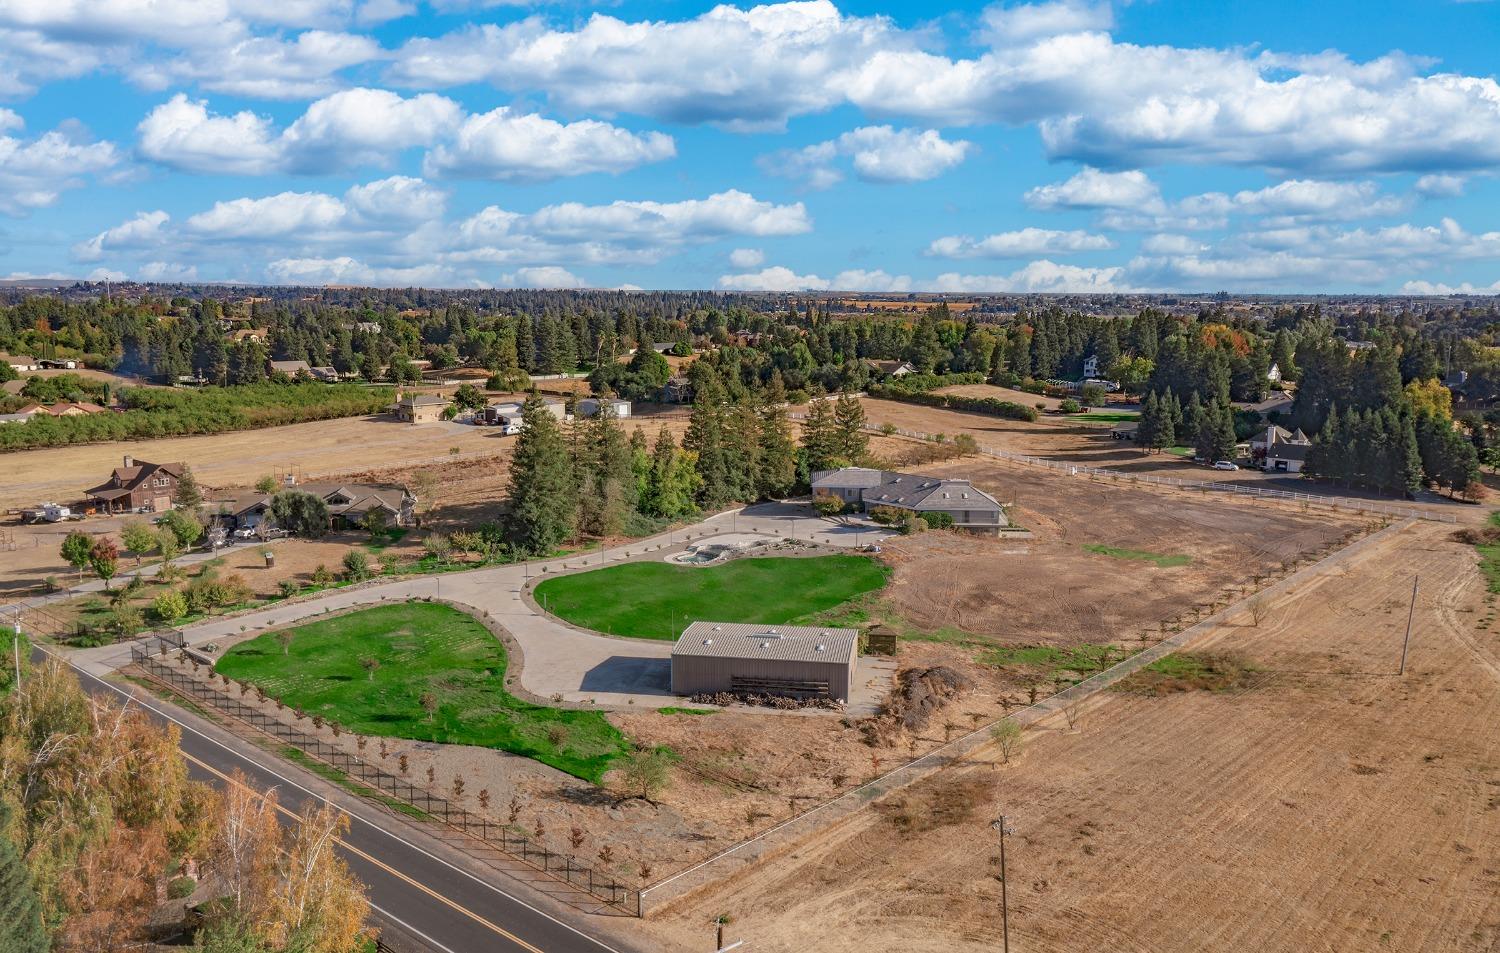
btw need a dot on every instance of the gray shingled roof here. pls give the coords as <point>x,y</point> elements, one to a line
<point>917,492</point>
<point>792,643</point>
<point>850,478</point>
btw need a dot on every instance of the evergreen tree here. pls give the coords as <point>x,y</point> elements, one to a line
<point>819,437</point>
<point>188,492</point>
<point>707,437</point>
<point>21,928</point>
<point>1282,355</point>
<point>849,428</point>
<point>543,492</point>
<point>777,472</point>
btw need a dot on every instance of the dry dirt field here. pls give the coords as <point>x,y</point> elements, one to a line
<point>1329,807</point>
<point>1051,589</point>
<point>1090,444</point>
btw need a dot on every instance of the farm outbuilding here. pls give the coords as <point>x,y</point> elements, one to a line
<point>799,661</point>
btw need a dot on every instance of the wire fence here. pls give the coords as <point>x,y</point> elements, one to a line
<point>382,786</point>
<point>1073,469</point>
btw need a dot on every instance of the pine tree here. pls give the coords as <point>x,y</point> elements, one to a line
<point>706,437</point>
<point>819,439</point>
<point>777,472</point>
<point>20,911</point>
<point>849,424</point>
<point>543,491</point>
<point>188,492</point>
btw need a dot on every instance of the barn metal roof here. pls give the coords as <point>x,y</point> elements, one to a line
<point>791,643</point>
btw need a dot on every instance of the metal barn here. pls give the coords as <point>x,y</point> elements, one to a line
<point>800,661</point>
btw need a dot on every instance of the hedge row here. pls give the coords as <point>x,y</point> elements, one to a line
<point>978,405</point>
<point>172,413</point>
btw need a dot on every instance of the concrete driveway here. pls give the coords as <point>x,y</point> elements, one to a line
<point>557,659</point>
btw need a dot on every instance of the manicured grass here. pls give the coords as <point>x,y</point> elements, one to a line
<point>1181,451</point>
<point>1107,416</point>
<point>1163,561</point>
<point>422,648</point>
<point>656,600</point>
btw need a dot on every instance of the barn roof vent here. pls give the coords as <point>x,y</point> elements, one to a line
<point>708,641</point>
<point>822,648</point>
<point>718,628</point>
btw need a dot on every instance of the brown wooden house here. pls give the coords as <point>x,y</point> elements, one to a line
<point>138,486</point>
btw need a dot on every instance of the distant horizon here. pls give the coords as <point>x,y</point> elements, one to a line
<point>1058,146</point>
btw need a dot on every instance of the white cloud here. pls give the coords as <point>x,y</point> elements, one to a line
<point>1093,189</point>
<point>1438,288</point>
<point>1009,25</point>
<point>745,69</point>
<point>1019,244</point>
<point>182,133</point>
<point>1300,200</point>
<point>167,271</point>
<point>35,172</point>
<point>286,213</point>
<point>1171,245</point>
<point>262,67</point>
<point>386,231</point>
<point>1441,186</point>
<point>345,270</point>
<point>545,276</point>
<point>10,120</point>
<point>370,127</point>
<point>877,280</point>
<point>142,231</point>
<point>372,12</point>
<point>877,153</point>
<point>1038,277</point>
<point>28,58</point>
<point>746,258</point>
<point>774,278</point>
<point>502,144</point>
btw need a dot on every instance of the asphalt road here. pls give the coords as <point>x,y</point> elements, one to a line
<point>444,907</point>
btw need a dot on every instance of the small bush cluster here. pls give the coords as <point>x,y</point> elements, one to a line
<point>782,702</point>
<point>210,591</point>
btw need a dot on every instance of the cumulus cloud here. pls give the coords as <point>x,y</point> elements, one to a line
<point>1440,186</point>
<point>774,278</point>
<point>1300,200</point>
<point>745,258</point>
<point>262,67</point>
<point>388,229</point>
<point>503,144</point>
<point>746,69</point>
<point>1007,25</point>
<point>1038,277</point>
<point>35,172</point>
<point>877,153</point>
<point>544,276</point>
<point>370,127</point>
<point>1019,244</point>
<point>1092,189</point>
<point>1439,288</point>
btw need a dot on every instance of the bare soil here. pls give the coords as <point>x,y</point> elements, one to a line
<point>1330,807</point>
<point>1051,589</point>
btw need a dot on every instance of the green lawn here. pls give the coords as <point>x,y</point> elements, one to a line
<point>1107,416</point>
<point>1181,451</point>
<point>1163,561</point>
<point>656,600</point>
<point>421,647</point>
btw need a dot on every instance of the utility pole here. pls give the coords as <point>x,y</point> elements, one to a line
<point>16,647</point>
<point>1004,897</point>
<point>1406,643</point>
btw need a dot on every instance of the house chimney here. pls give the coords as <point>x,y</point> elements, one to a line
<point>129,461</point>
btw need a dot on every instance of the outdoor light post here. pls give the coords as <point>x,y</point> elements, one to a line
<point>1411,611</point>
<point>1004,898</point>
<point>16,647</point>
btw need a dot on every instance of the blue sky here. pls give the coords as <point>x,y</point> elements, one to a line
<point>1056,146</point>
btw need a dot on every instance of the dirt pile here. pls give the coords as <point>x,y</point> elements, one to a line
<point>919,694</point>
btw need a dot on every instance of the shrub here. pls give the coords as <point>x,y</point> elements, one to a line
<point>170,606</point>
<point>1092,395</point>
<point>1070,406</point>
<point>938,520</point>
<point>210,591</point>
<point>438,546</point>
<point>827,504</point>
<point>912,524</point>
<point>322,576</point>
<point>887,515</point>
<point>356,566</point>
<point>180,888</point>
<point>965,444</point>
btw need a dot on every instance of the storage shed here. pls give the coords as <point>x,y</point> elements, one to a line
<point>800,661</point>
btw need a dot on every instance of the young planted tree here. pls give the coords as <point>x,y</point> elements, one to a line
<point>646,773</point>
<point>138,538</point>
<point>266,484</point>
<point>1007,737</point>
<point>104,557</point>
<point>77,549</point>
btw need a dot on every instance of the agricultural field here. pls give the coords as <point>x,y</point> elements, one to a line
<point>1187,820</point>
<point>652,599</point>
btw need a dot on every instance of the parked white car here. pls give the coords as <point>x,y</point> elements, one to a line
<point>1226,465</point>
<point>247,532</point>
